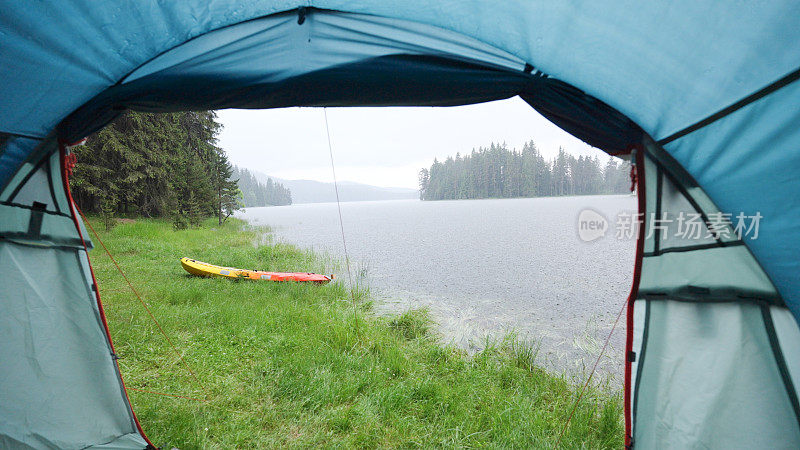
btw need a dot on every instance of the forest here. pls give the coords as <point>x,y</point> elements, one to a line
<point>497,172</point>
<point>156,165</point>
<point>256,193</point>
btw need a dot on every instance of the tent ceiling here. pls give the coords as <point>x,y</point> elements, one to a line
<point>665,65</point>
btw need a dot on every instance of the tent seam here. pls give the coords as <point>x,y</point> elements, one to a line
<point>665,154</point>
<point>640,365</point>
<point>730,109</point>
<point>791,392</point>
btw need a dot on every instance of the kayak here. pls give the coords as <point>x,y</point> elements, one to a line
<point>202,269</point>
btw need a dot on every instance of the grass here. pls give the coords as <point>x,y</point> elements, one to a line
<point>290,365</point>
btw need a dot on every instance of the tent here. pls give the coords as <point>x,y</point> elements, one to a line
<point>702,95</point>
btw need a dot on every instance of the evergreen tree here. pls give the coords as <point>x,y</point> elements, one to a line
<point>255,193</point>
<point>227,189</point>
<point>497,172</point>
<point>154,165</point>
<point>424,177</point>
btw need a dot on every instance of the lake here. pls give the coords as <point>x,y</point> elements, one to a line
<point>484,267</point>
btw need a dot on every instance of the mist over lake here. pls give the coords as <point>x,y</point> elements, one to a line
<point>483,267</point>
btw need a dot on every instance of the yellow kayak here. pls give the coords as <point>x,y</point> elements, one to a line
<point>202,269</point>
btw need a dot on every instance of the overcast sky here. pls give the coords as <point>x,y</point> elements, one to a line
<point>381,146</point>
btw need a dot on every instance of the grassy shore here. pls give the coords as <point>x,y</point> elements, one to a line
<point>291,365</point>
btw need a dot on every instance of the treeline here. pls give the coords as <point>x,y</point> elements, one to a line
<point>256,193</point>
<point>497,172</point>
<point>156,165</point>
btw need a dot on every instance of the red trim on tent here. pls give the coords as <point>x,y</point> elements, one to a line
<point>637,273</point>
<point>65,170</point>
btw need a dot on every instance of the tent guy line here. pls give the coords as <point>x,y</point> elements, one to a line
<point>591,373</point>
<point>143,303</point>
<point>341,222</point>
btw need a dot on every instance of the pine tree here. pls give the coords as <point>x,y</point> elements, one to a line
<point>227,190</point>
<point>192,210</point>
<point>500,172</point>
<point>108,204</point>
<point>424,177</point>
<point>254,193</point>
<point>153,165</point>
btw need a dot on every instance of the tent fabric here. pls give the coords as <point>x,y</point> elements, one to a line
<point>53,348</point>
<point>665,66</point>
<point>748,162</point>
<point>14,151</point>
<point>277,61</point>
<point>271,62</point>
<point>711,358</point>
<point>788,335</point>
<point>617,51</point>
<point>614,74</point>
<point>707,261</point>
<point>708,360</point>
<point>34,208</point>
<point>60,386</point>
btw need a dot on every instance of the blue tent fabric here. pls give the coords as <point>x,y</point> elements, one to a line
<point>665,66</point>
<point>250,65</point>
<point>611,73</point>
<point>748,162</point>
<point>15,150</point>
<point>708,54</point>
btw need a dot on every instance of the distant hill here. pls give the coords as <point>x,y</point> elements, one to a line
<point>310,191</point>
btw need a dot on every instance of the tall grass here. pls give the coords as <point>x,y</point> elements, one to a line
<point>284,365</point>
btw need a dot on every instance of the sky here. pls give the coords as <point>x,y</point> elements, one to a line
<point>381,146</point>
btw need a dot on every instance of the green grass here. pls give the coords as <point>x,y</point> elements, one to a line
<point>290,365</point>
